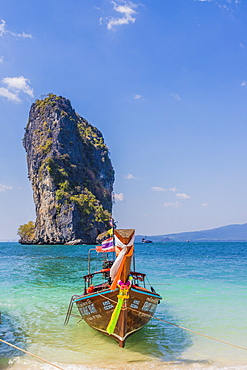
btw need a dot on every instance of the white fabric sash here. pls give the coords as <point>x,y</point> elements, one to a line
<point>119,244</point>
<point>117,263</point>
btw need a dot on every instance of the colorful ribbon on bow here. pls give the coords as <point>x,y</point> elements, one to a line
<point>123,294</point>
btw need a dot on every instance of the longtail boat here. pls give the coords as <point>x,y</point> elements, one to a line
<point>116,301</point>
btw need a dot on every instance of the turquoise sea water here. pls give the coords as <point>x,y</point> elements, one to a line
<point>203,286</point>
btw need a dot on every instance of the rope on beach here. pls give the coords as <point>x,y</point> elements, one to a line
<point>22,350</point>
<point>181,327</point>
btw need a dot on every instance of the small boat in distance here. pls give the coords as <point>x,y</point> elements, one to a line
<point>144,240</point>
<point>116,301</point>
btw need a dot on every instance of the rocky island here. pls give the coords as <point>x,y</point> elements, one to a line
<point>70,172</point>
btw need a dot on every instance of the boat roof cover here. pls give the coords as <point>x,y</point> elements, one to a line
<point>124,235</point>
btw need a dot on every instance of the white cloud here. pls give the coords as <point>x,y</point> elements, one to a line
<point>4,31</point>
<point>2,28</point>
<point>19,84</point>
<point>118,197</point>
<point>4,187</point>
<point>1,59</point>
<point>97,8</point>
<point>244,83</point>
<point>205,204</point>
<point>138,96</point>
<point>182,196</point>
<point>173,189</point>
<point>242,45</point>
<point>9,95</point>
<point>223,6</point>
<point>128,14</point>
<point>157,188</point>
<point>15,85</point>
<point>172,204</point>
<point>23,34</point>
<point>176,96</point>
<point>130,177</point>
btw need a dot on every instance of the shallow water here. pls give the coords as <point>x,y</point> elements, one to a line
<point>203,286</point>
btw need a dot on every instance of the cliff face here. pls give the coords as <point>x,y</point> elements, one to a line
<point>70,172</point>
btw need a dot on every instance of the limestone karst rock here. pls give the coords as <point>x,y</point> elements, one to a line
<point>70,172</point>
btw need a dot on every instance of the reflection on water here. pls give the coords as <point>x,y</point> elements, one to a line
<point>160,340</point>
<point>10,332</point>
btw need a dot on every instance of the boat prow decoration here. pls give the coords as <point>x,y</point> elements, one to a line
<point>120,304</point>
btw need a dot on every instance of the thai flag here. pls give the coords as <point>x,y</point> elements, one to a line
<point>108,243</point>
<point>111,222</point>
<point>106,246</point>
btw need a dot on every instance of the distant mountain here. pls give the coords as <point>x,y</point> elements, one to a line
<point>225,233</point>
<point>8,240</point>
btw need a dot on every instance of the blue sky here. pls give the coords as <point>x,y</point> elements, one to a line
<point>164,81</point>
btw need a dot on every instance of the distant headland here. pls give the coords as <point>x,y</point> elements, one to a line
<point>71,175</point>
<point>227,233</point>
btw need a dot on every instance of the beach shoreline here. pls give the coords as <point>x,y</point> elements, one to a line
<point>28,364</point>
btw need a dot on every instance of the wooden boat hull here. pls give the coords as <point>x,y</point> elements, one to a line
<point>97,307</point>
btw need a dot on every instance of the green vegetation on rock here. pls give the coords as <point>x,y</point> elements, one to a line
<point>27,232</point>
